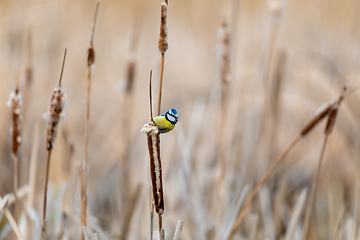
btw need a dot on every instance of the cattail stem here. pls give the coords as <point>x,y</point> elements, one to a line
<point>160,224</point>
<point>32,178</point>
<point>271,168</point>
<point>94,23</point>
<point>178,230</point>
<point>86,140</point>
<point>150,96</point>
<point>12,222</point>
<point>150,220</point>
<point>57,104</point>
<point>15,103</point>
<point>163,46</point>
<point>90,65</point>
<point>161,81</point>
<point>62,67</point>
<point>333,110</point>
<point>151,204</point>
<point>45,193</point>
<point>162,234</point>
<point>28,68</point>
<point>225,79</point>
<point>16,177</point>
<point>313,190</point>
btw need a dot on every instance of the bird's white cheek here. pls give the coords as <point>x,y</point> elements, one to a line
<point>171,118</point>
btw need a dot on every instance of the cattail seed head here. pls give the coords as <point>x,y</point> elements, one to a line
<point>91,56</point>
<point>153,139</point>
<point>163,41</point>
<point>225,53</point>
<point>28,75</point>
<point>130,73</point>
<point>320,114</point>
<point>55,115</point>
<point>331,119</point>
<point>15,104</point>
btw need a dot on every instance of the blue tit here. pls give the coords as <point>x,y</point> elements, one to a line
<point>166,122</point>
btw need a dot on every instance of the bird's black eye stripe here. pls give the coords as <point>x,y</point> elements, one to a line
<point>172,115</point>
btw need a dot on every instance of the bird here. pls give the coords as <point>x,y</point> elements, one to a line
<point>166,122</point>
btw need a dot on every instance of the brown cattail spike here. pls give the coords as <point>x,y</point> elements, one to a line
<point>225,53</point>
<point>130,73</point>
<point>57,104</point>
<point>28,68</point>
<point>91,56</point>
<point>15,104</point>
<point>163,41</point>
<point>331,119</point>
<point>55,115</point>
<point>319,115</point>
<point>153,138</point>
<point>91,52</point>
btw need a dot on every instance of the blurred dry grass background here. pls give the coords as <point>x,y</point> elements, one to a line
<point>321,42</point>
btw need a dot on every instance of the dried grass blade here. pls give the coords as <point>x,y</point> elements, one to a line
<point>178,230</point>
<point>13,224</point>
<point>296,215</point>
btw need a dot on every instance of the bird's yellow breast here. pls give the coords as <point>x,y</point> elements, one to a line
<point>163,124</point>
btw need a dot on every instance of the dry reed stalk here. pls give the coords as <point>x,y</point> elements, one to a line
<point>271,168</point>
<point>275,98</point>
<point>57,104</point>
<point>95,236</point>
<point>162,234</point>
<point>178,230</point>
<point>153,139</point>
<point>225,79</point>
<point>129,212</point>
<point>150,220</point>
<point>90,69</point>
<point>313,190</point>
<point>276,8</point>
<point>163,47</point>
<point>32,177</point>
<point>321,113</point>
<point>151,203</point>
<point>12,222</point>
<point>84,230</point>
<point>150,97</point>
<point>333,110</point>
<point>356,208</point>
<point>236,212</point>
<point>28,67</point>
<point>296,214</point>
<point>266,212</point>
<point>15,104</point>
<point>131,61</point>
<point>10,198</point>
<point>3,204</point>
<point>22,192</point>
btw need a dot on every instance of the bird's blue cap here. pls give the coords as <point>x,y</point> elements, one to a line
<point>173,112</point>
